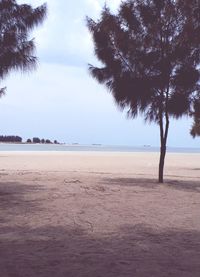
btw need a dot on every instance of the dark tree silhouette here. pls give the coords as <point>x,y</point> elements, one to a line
<point>16,22</point>
<point>148,62</point>
<point>36,140</point>
<point>191,9</point>
<point>10,139</point>
<point>195,131</point>
<point>43,141</point>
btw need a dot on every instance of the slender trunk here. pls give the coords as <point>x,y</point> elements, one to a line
<point>163,110</point>
<point>162,161</point>
<point>163,142</point>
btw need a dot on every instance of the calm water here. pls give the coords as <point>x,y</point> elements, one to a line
<point>65,147</point>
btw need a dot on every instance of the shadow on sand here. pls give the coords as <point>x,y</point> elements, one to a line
<point>136,251</point>
<point>13,199</point>
<point>63,251</point>
<point>190,186</point>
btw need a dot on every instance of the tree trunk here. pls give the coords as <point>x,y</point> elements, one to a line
<point>163,142</point>
<point>162,161</point>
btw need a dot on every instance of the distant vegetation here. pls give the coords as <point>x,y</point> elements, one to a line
<point>38,140</point>
<point>18,139</point>
<point>10,139</point>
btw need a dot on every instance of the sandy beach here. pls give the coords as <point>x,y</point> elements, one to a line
<point>99,214</point>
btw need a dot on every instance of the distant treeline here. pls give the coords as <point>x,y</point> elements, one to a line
<point>10,139</point>
<point>19,140</point>
<point>38,140</point>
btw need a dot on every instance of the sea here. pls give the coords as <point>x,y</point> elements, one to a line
<point>93,148</point>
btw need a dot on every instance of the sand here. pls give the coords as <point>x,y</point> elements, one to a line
<point>95,214</point>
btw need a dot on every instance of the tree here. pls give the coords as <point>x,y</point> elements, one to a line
<point>191,9</point>
<point>195,131</point>
<point>36,140</point>
<point>10,139</point>
<point>145,64</point>
<point>17,50</point>
<point>29,141</point>
<point>48,141</point>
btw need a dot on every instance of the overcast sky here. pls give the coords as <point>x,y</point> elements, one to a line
<point>61,101</point>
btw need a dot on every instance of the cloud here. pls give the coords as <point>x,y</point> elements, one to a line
<point>113,4</point>
<point>64,37</point>
<point>94,4</point>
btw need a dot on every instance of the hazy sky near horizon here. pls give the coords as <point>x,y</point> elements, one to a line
<point>61,101</point>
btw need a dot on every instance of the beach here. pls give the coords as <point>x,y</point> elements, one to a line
<point>99,214</point>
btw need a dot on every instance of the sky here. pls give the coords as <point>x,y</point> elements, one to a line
<point>60,100</point>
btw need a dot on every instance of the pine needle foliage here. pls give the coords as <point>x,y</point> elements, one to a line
<point>16,48</point>
<point>150,54</point>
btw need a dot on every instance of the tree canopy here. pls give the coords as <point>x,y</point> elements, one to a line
<point>16,48</point>
<point>10,139</point>
<point>195,131</point>
<point>150,56</point>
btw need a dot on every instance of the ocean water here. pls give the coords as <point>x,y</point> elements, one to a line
<point>99,148</point>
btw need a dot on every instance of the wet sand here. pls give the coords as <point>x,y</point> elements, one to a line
<point>98,214</point>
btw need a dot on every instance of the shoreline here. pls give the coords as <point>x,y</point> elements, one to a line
<point>90,148</point>
<point>182,165</point>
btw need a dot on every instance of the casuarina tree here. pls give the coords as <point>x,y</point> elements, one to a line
<point>195,131</point>
<point>16,48</point>
<point>191,9</point>
<point>148,62</point>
